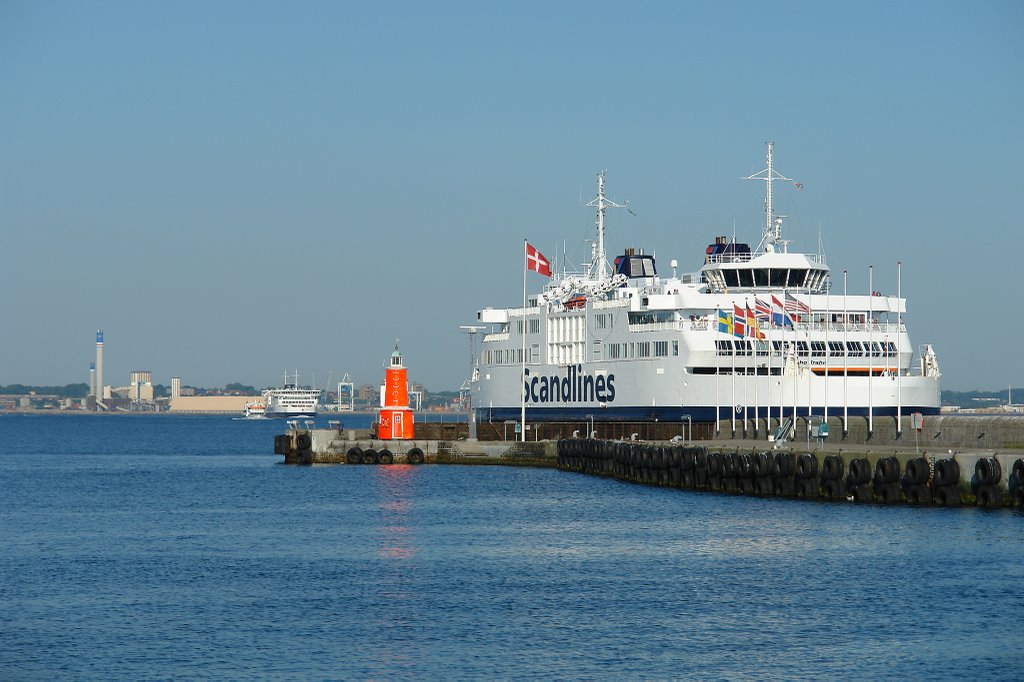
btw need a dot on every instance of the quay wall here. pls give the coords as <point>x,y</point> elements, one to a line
<point>861,475</point>
<point>858,473</point>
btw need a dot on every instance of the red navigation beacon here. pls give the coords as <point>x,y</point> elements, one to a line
<point>396,419</point>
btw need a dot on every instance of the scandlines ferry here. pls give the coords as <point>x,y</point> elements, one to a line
<point>756,333</point>
<point>291,400</point>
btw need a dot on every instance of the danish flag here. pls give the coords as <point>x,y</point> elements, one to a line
<point>536,261</point>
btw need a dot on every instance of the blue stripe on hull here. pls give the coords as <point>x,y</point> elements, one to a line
<point>668,414</point>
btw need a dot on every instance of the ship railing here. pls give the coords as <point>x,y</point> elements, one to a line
<point>674,325</point>
<point>729,258</point>
<point>613,303</point>
<point>747,257</point>
<point>839,327</point>
<point>498,336</point>
<point>705,323</point>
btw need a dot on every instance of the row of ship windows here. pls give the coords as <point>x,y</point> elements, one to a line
<point>534,326</point>
<point>781,278</point>
<point>817,349</point>
<point>642,349</point>
<point>728,348</point>
<point>507,356</point>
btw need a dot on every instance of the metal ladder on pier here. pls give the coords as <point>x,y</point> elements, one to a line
<point>784,432</point>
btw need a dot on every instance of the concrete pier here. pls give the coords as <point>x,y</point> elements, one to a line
<point>912,471</point>
<point>986,479</point>
<point>335,446</point>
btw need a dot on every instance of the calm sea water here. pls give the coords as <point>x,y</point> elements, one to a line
<point>159,547</point>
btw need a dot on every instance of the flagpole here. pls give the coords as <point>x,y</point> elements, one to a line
<point>807,335</point>
<point>718,373</point>
<point>846,363</point>
<point>899,332</point>
<point>732,393</point>
<point>796,360</point>
<point>746,372</point>
<point>828,350</point>
<point>782,361</point>
<point>756,425</point>
<point>522,376</point>
<point>768,400</point>
<point>871,349</point>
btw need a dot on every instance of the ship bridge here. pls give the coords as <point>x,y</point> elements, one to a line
<point>735,268</point>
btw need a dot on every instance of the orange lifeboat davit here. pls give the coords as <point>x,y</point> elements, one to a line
<point>396,418</point>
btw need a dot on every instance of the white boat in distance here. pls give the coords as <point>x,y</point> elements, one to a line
<point>291,400</point>
<point>753,334</point>
<point>254,410</point>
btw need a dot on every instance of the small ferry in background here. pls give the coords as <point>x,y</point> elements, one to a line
<point>291,400</point>
<point>254,410</point>
<point>755,333</point>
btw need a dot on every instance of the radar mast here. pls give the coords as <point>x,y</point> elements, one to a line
<point>599,270</point>
<point>772,233</point>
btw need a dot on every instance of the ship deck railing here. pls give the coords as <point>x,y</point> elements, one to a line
<point>674,325</point>
<point>747,257</point>
<point>833,328</point>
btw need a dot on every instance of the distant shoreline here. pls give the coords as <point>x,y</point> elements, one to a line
<point>211,413</point>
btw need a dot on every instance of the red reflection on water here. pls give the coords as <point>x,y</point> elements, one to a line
<point>396,552</point>
<point>396,512</point>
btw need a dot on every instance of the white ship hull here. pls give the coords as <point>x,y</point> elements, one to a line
<point>291,400</point>
<point>643,394</point>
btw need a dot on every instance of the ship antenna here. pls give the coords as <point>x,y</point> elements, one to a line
<point>772,232</point>
<point>598,261</point>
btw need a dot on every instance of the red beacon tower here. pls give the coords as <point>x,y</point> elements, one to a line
<point>396,419</point>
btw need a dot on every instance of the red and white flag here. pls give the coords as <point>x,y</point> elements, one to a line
<point>536,261</point>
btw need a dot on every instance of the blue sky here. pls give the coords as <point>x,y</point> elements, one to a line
<point>233,189</point>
